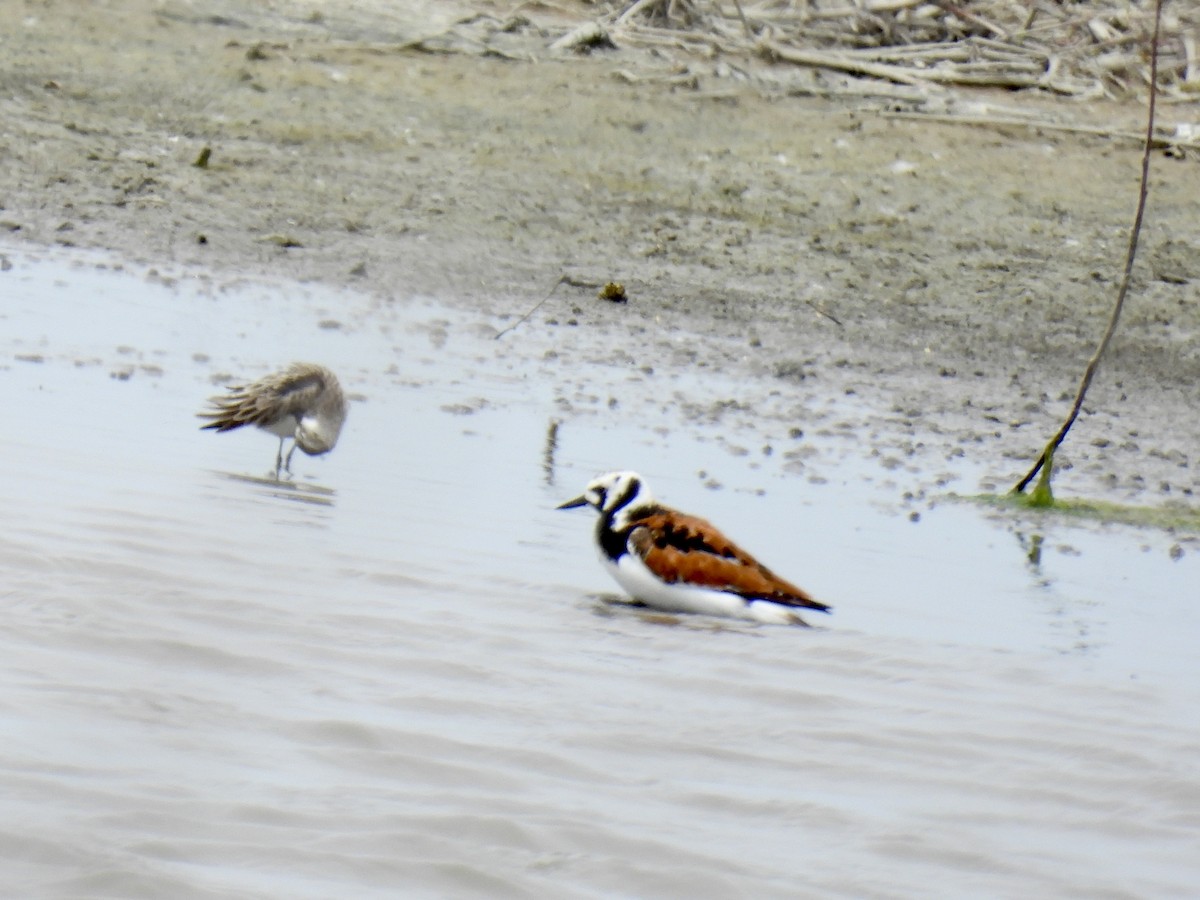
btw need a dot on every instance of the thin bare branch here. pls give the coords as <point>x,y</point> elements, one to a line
<point>535,308</point>
<point>1094,362</point>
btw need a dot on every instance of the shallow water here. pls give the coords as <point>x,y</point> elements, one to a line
<point>399,674</point>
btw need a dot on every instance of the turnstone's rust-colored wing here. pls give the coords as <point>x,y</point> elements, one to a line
<point>681,548</point>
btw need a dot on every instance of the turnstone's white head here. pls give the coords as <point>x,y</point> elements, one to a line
<point>303,402</point>
<point>680,563</point>
<point>615,496</point>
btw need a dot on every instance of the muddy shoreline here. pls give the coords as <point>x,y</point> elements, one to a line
<point>951,280</point>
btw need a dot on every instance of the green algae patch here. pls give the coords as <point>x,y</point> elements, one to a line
<point>1171,517</point>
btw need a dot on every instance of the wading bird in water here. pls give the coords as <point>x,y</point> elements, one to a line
<point>669,560</point>
<point>303,402</point>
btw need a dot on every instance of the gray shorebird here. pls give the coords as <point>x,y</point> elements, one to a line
<point>303,402</point>
<point>669,560</point>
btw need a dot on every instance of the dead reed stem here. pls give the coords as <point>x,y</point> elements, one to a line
<point>1094,363</point>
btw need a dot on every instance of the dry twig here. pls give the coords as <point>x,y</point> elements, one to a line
<point>533,309</point>
<point>1047,457</point>
<point>1088,48</point>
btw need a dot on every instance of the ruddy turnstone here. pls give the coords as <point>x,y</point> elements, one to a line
<point>303,402</point>
<point>669,560</point>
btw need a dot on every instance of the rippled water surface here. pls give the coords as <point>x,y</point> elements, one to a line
<point>400,675</point>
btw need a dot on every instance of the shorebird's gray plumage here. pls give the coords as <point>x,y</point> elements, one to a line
<point>303,402</point>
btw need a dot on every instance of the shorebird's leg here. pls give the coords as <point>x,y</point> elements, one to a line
<point>279,459</point>
<point>288,465</point>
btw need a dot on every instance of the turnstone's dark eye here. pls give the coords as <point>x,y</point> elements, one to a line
<point>601,496</point>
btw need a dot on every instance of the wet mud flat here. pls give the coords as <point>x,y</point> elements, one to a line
<point>954,279</point>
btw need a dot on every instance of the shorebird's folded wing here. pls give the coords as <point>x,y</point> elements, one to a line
<point>682,548</point>
<point>288,393</point>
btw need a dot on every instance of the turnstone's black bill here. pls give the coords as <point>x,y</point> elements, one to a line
<point>680,563</point>
<point>303,402</point>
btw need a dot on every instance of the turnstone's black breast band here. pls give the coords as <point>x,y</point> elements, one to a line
<point>612,543</point>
